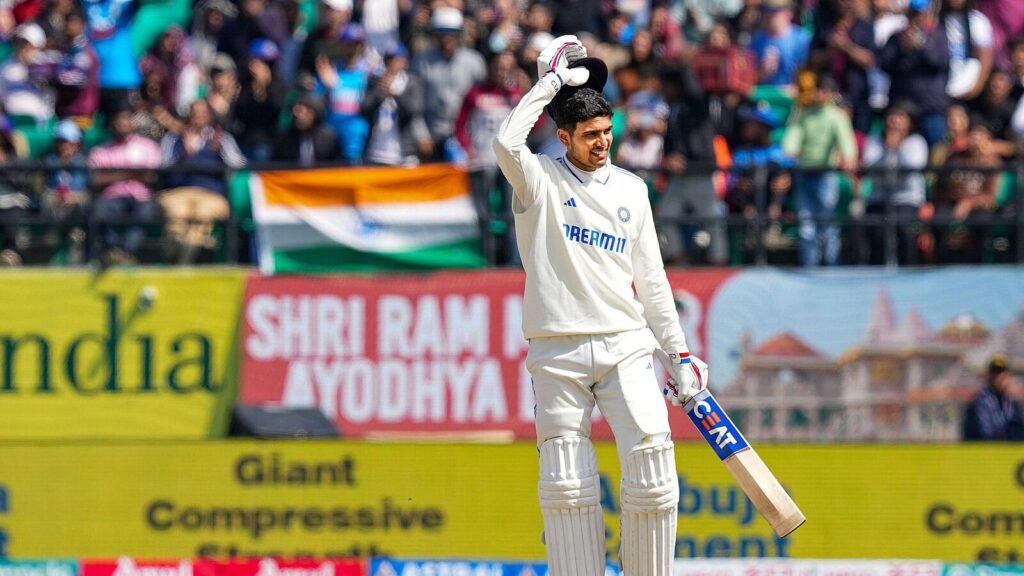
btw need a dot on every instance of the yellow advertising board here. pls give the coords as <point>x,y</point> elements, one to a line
<point>122,354</point>
<point>333,498</point>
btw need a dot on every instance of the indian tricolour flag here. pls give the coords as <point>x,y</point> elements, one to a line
<point>335,219</point>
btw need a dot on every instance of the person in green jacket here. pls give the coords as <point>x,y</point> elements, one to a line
<point>820,138</point>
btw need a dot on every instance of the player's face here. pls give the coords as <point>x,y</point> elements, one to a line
<point>589,145</point>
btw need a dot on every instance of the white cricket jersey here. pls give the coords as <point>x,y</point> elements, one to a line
<point>586,239</point>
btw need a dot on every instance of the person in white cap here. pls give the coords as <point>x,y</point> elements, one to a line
<point>24,75</point>
<point>448,72</point>
<point>597,305</point>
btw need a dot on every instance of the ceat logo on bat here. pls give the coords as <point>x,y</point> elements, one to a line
<point>716,427</point>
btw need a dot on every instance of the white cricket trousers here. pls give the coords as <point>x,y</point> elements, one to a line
<point>614,371</point>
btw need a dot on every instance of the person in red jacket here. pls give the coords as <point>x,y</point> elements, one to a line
<point>484,108</point>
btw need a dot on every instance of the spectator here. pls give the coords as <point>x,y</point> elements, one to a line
<point>394,108</point>
<point>335,16</point>
<point>759,165</point>
<point>1017,65</point>
<point>620,29</point>
<point>747,24</point>
<point>781,47</point>
<point>964,195</point>
<point>416,34</point>
<point>287,67</point>
<point>846,51</point>
<point>485,108</point>
<point>256,19</point>
<point>689,159</point>
<point>152,119</point>
<point>728,73</point>
<point>78,74</point>
<point>969,36</point>
<point>669,43</point>
<point>344,81</point>
<point>958,125</point>
<point>885,23</point>
<point>260,102</point>
<point>65,199</point>
<point>896,197</point>
<point>210,17</point>
<point>821,139</point>
<point>996,107</point>
<point>109,24</point>
<point>917,60</point>
<point>641,49</point>
<point>53,21</point>
<point>540,18</point>
<point>197,197</point>
<point>23,77</point>
<point>170,56</point>
<point>14,203</point>
<point>642,149</point>
<point>224,92</point>
<point>448,72</point>
<point>507,34</point>
<point>725,71</point>
<point>995,414</point>
<point>1017,93</point>
<point>125,203</point>
<point>308,141</point>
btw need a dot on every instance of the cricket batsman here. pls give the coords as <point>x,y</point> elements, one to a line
<point>596,306</point>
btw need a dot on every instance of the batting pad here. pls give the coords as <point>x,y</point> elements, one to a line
<point>650,499</point>
<point>570,500</point>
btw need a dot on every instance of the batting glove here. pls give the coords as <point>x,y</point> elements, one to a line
<point>557,57</point>
<point>688,376</point>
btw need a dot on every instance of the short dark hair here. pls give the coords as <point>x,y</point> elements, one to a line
<point>906,107</point>
<point>580,106</point>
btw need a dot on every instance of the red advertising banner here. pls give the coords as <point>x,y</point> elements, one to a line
<point>277,567</point>
<point>126,566</point>
<point>431,354</point>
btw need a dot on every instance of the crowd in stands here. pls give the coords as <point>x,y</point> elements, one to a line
<point>780,113</point>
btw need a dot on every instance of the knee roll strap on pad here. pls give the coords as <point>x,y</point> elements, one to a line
<point>650,500</point>
<point>570,500</point>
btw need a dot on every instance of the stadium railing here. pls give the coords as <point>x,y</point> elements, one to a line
<point>757,239</point>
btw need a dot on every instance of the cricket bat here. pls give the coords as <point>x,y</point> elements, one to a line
<point>756,480</point>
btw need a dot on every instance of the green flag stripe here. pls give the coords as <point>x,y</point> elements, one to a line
<point>462,254</point>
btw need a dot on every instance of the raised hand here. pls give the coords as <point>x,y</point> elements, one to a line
<point>557,57</point>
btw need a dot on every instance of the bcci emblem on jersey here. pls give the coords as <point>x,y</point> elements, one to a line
<point>623,214</point>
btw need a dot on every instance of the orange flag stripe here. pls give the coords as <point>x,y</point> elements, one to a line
<point>339,187</point>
